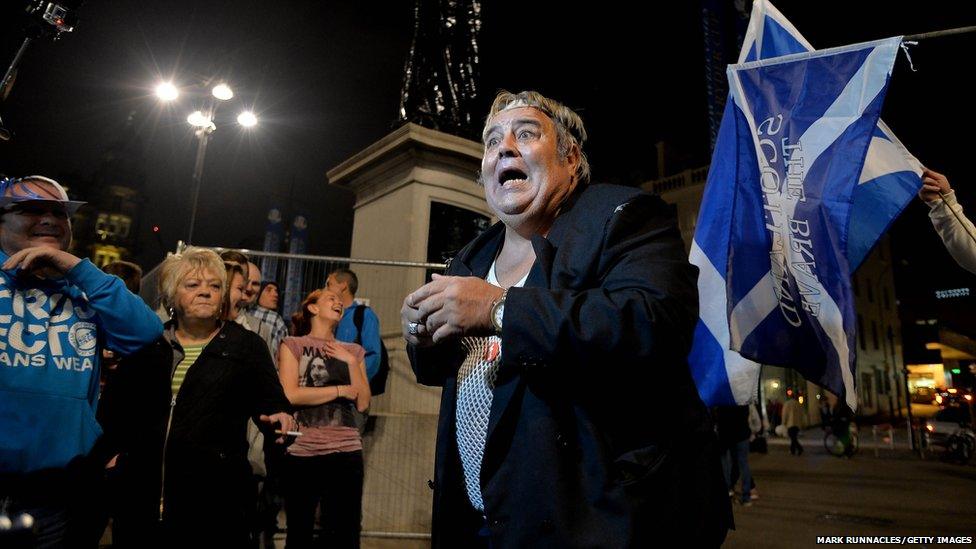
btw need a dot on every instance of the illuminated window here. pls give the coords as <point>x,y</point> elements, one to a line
<point>112,226</point>
<point>104,254</point>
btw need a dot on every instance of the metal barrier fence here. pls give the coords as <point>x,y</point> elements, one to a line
<point>399,452</point>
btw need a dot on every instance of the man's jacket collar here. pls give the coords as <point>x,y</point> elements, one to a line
<point>476,258</point>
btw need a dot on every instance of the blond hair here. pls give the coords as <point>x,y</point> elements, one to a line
<point>177,267</point>
<point>569,125</point>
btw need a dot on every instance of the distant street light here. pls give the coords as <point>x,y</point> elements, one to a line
<point>203,121</point>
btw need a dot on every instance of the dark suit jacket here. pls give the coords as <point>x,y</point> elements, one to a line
<point>596,436</point>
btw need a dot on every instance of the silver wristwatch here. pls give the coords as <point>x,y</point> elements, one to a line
<point>498,312</point>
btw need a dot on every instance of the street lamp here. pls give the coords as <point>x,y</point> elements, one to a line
<point>166,91</point>
<point>203,122</point>
<point>222,91</point>
<point>247,119</point>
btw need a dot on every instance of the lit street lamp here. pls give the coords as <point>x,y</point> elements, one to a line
<point>203,121</point>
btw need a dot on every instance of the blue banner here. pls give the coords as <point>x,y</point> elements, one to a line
<point>274,234</point>
<point>804,124</point>
<point>294,279</point>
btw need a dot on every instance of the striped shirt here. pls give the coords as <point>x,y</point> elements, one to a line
<point>190,355</point>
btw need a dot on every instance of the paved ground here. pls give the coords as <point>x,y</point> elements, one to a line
<point>801,497</point>
<point>816,494</point>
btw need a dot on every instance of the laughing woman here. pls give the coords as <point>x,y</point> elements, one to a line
<point>326,382</point>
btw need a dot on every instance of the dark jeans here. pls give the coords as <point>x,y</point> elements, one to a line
<point>269,501</point>
<point>738,454</point>
<point>335,482</point>
<point>795,447</point>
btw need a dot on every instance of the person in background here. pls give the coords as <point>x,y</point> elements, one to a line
<point>129,272</point>
<point>176,411</point>
<point>265,318</point>
<point>325,379</point>
<point>234,256</point>
<point>265,457</point>
<point>344,283</point>
<point>131,275</point>
<point>253,286</point>
<point>233,300</point>
<point>793,420</point>
<point>956,230</point>
<point>734,434</point>
<point>57,313</point>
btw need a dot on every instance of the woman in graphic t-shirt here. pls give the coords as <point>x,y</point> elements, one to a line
<point>325,380</point>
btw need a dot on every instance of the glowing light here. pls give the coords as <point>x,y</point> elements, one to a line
<point>166,91</point>
<point>199,120</point>
<point>222,92</point>
<point>247,119</point>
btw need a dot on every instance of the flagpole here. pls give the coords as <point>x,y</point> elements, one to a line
<point>939,34</point>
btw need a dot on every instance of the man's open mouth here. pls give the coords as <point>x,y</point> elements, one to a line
<point>510,175</point>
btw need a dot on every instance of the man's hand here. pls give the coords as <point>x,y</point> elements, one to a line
<point>449,306</point>
<point>285,421</point>
<point>42,261</point>
<point>932,184</point>
<point>410,315</point>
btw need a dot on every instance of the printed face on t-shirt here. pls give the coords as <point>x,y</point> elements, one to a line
<point>318,373</point>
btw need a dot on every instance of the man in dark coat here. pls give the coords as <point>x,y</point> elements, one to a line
<point>568,415</point>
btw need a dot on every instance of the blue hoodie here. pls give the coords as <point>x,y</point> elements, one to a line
<point>51,336</point>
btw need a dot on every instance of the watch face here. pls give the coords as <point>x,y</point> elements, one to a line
<point>499,312</point>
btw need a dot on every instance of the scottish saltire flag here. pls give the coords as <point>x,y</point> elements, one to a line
<point>804,125</point>
<point>889,180</point>
<point>891,175</point>
<point>723,376</point>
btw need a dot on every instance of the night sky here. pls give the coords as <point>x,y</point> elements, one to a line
<point>324,78</point>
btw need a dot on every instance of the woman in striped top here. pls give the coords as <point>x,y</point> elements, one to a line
<point>176,413</point>
<point>326,381</point>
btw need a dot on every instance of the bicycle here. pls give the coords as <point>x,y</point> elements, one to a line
<point>837,445</point>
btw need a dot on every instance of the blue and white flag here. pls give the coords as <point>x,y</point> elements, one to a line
<point>804,124</point>
<point>889,180</point>
<point>891,176</point>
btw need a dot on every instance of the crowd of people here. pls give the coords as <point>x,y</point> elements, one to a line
<point>545,334</point>
<point>187,425</point>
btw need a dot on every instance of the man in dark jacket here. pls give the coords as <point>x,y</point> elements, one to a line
<point>568,414</point>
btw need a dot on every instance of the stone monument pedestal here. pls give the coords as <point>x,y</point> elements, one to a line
<point>396,181</point>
